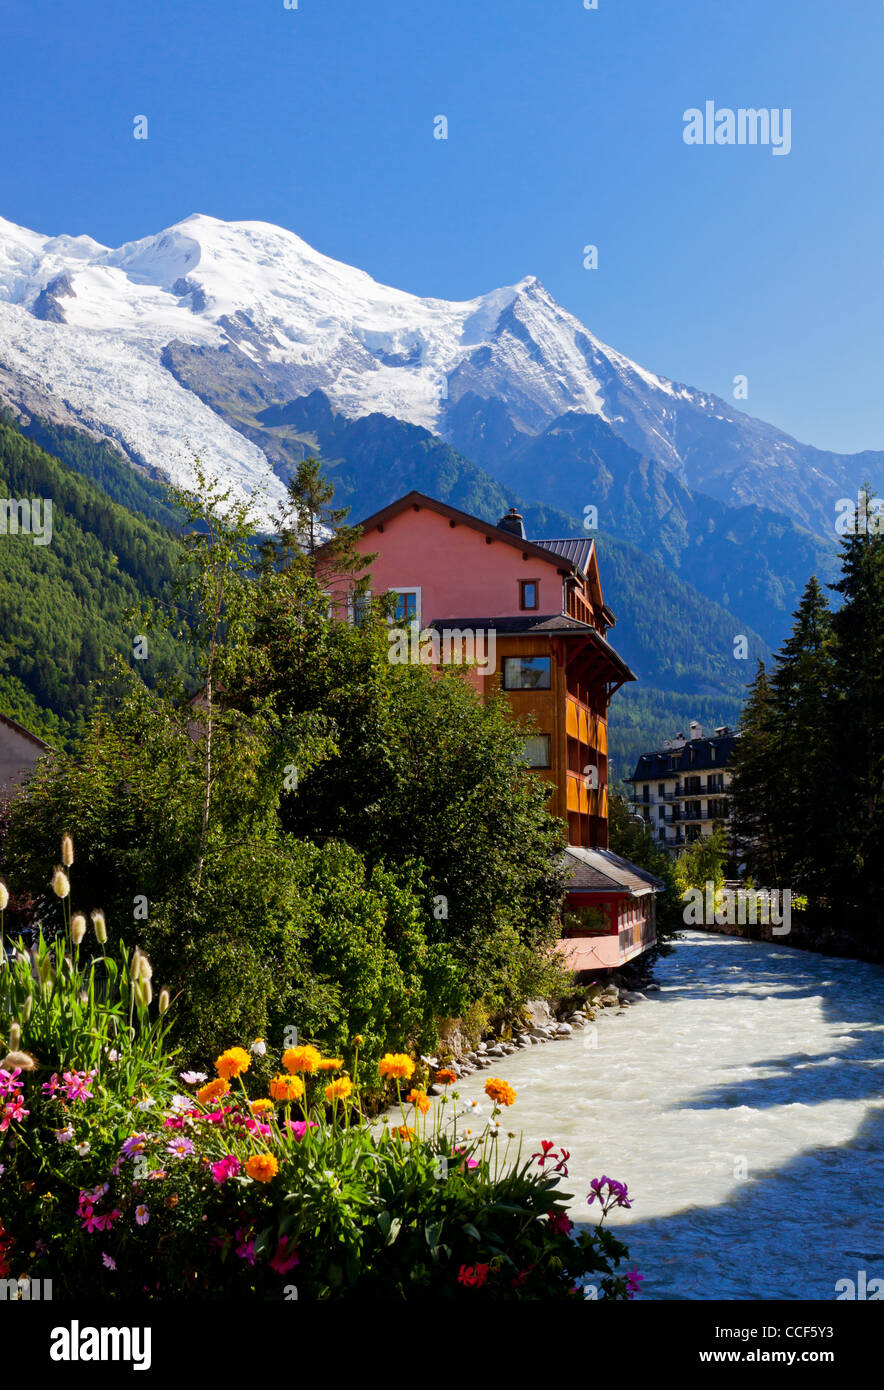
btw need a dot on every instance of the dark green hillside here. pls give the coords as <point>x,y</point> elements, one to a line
<point>100,463</point>
<point>62,604</point>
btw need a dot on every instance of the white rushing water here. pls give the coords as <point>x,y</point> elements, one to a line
<point>742,1104</point>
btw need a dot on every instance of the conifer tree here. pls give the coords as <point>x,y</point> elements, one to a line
<point>802,699</point>
<point>313,535</point>
<point>757,786</point>
<point>858,794</point>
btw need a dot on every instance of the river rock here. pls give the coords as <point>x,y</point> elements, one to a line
<point>523,1040</point>
<point>564,1030</point>
<point>538,1012</point>
<point>496,1051</point>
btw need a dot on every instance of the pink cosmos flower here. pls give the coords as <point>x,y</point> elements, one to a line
<point>135,1144</point>
<point>142,1215</point>
<point>193,1078</point>
<point>180,1148</point>
<point>108,1261</point>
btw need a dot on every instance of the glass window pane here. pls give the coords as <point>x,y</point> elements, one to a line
<point>526,673</point>
<point>537,750</point>
<point>406,607</point>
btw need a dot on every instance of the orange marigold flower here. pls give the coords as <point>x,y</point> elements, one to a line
<point>331,1064</point>
<point>340,1089</point>
<point>305,1059</point>
<point>396,1064</point>
<point>404,1132</point>
<point>262,1167</point>
<point>232,1062</point>
<point>286,1088</point>
<point>258,1107</point>
<point>213,1091</point>
<point>446,1076</point>
<point>420,1099</point>
<point>501,1092</point>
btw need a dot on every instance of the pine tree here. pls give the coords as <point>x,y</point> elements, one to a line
<point>802,697</point>
<point>858,724</point>
<point>313,535</point>
<point>757,789</point>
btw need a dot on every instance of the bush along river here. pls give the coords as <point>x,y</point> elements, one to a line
<point>740,1099</point>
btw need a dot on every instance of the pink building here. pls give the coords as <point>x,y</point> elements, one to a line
<point>538,624</point>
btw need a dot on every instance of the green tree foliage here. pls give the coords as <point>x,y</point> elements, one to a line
<point>758,790</point>
<point>856,743</point>
<point>801,688</point>
<point>631,838</point>
<point>809,766</point>
<point>703,862</point>
<point>62,604</point>
<point>318,840</point>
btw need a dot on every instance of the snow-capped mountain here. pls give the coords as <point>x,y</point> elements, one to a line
<point>134,342</point>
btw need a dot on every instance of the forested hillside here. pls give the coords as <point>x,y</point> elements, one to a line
<point>62,604</point>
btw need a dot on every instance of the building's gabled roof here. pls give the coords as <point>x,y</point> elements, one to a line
<point>602,871</point>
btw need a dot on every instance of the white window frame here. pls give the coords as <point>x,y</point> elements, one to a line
<point>408,589</point>
<point>351,604</point>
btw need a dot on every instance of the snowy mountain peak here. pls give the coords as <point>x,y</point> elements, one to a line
<point>141,341</point>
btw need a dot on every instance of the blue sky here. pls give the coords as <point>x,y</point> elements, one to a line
<point>565,129</point>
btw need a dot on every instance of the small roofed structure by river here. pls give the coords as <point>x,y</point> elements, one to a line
<point>610,911</point>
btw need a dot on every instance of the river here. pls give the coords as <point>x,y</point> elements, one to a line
<point>743,1104</point>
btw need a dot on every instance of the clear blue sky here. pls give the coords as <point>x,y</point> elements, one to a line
<point>565,128</point>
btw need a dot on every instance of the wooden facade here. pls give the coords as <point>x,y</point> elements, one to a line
<point>539,599</point>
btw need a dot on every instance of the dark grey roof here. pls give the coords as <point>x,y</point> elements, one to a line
<point>519,622</point>
<point>651,765</point>
<point>577,549</point>
<point>556,623</point>
<point>602,871</point>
